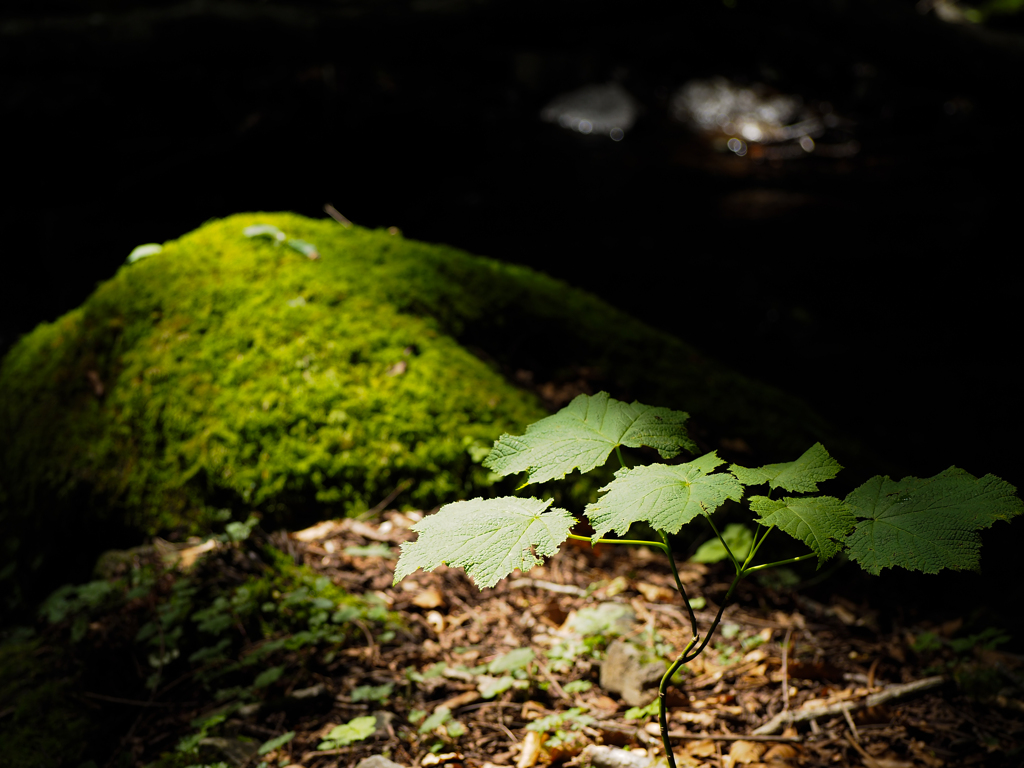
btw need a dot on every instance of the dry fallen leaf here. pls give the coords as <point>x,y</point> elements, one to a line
<point>655,594</point>
<point>702,748</point>
<point>447,757</point>
<point>743,752</point>
<point>531,750</point>
<point>430,597</point>
<point>187,557</point>
<point>780,753</point>
<point>320,531</point>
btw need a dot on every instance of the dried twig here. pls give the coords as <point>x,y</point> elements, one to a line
<point>333,212</point>
<point>875,699</point>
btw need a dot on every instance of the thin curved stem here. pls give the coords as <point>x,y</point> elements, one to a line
<point>679,583</point>
<point>714,624</point>
<point>662,690</point>
<point>735,562</point>
<point>633,542</point>
<point>619,454</point>
<point>780,562</point>
<point>757,546</point>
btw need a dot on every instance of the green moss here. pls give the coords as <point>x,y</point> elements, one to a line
<point>232,372</point>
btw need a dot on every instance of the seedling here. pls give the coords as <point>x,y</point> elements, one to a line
<point>917,524</point>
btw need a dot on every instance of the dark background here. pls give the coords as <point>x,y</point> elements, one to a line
<point>882,287</point>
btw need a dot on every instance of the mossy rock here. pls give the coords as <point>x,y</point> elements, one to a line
<point>233,372</point>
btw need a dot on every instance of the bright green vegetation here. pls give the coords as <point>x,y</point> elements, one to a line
<point>306,370</point>
<point>925,525</point>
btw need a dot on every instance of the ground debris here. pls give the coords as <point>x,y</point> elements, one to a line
<point>521,674</point>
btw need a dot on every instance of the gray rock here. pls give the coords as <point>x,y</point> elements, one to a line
<point>624,672</point>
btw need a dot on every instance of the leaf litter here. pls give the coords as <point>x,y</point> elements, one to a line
<point>510,675</point>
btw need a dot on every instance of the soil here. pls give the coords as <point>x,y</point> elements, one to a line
<point>777,649</point>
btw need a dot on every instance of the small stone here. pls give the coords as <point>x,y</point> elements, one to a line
<point>625,673</point>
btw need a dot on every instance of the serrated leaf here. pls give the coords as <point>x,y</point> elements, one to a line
<point>584,433</point>
<point>800,476</point>
<point>666,497</point>
<point>820,522</point>
<point>927,525</point>
<point>489,538</point>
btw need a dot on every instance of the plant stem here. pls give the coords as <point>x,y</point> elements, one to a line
<point>662,690</point>
<point>780,562</point>
<point>718,618</point>
<point>619,454</point>
<point>735,562</point>
<point>757,546</point>
<point>634,542</point>
<point>679,584</point>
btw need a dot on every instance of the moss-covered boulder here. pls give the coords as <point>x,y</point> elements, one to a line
<point>235,372</point>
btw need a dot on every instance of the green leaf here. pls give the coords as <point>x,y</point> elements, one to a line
<point>572,719</point>
<point>441,716</point>
<point>489,538</point>
<point>800,476</point>
<point>491,687</point>
<point>820,522</point>
<point>577,686</point>
<point>267,677</point>
<point>737,536</point>
<point>584,433</point>
<point>666,497</point>
<point>511,661</point>
<point>372,692</point>
<point>272,744</point>
<point>927,525</point>
<point>357,729</point>
<point>642,713</point>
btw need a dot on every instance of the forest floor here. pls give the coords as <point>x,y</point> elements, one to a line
<point>512,676</point>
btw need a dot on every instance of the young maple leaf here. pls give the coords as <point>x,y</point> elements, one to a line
<point>927,525</point>
<point>666,497</point>
<point>820,522</point>
<point>800,476</point>
<point>584,433</point>
<point>489,538</point>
